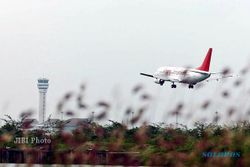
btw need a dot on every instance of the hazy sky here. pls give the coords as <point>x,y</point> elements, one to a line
<point>106,43</point>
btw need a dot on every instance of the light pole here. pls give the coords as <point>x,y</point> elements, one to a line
<point>62,115</point>
<point>93,116</point>
<point>176,119</point>
<point>132,114</point>
<point>216,117</point>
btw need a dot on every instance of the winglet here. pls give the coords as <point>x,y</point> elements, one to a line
<point>206,63</point>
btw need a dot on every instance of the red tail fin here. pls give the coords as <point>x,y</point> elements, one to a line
<point>206,63</point>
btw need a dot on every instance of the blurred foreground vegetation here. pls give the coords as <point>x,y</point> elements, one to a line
<point>155,144</point>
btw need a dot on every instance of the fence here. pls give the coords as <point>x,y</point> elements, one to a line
<point>93,157</point>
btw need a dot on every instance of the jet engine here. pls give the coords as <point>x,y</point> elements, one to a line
<point>159,81</point>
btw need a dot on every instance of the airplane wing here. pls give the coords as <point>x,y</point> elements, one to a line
<point>167,80</point>
<point>147,75</point>
<point>220,78</point>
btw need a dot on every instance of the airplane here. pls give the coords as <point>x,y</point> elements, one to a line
<point>190,76</point>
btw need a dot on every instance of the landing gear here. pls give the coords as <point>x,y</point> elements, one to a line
<point>173,86</point>
<point>190,86</point>
<point>161,82</point>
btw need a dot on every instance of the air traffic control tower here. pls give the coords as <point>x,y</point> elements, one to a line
<point>42,85</point>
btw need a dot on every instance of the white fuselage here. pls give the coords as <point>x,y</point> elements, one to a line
<point>182,75</point>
